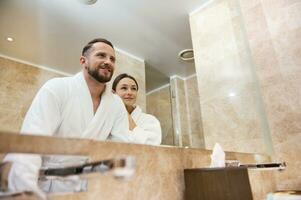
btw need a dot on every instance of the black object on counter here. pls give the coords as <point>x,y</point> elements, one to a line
<point>230,183</point>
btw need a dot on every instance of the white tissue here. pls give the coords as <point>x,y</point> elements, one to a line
<point>217,156</point>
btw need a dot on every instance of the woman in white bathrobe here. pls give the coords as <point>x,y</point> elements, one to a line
<point>144,128</point>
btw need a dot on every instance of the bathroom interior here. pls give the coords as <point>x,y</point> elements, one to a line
<point>240,88</point>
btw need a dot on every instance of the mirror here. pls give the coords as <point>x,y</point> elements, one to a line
<point>214,98</point>
<point>64,173</point>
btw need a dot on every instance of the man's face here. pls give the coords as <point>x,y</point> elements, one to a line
<point>99,62</point>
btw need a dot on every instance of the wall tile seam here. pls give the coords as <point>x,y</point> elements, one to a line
<point>188,112</point>
<point>158,89</point>
<point>177,120</point>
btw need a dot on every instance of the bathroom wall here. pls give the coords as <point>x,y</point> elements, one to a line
<point>177,108</point>
<point>159,170</point>
<point>187,118</point>
<point>229,93</point>
<point>158,103</point>
<point>180,112</point>
<point>19,83</point>
<point>274,32</point>
<point>249,75</point>
<point>195,118</point>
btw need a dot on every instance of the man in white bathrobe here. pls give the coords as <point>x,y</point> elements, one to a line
<point>79,107</point>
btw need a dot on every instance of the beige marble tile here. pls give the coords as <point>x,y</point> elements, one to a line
<point>233,122</point>
<point>289,151</point>
<point>223,78</point>
<point>159,105</point>
<point>247,5</point>
<point>262,182</point>
<point>206,26</point>
<point>18,86</point>
<point>255,24</point>
<point>294,15</point>
<point>267,70</point>
<point>284,119</point>
<point>234,7</point>
<point>195,117</point>
<point>222,59</point>
<point>183,113</point>
<point>288,51</point>
<point>292,86</point>
<point>213,16</point>
<point>282,15</point>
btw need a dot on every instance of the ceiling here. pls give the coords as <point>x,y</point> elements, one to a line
<point>51,33</point>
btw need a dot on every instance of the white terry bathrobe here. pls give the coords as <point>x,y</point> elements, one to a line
<point>148,129</point>
<point>63,107</point>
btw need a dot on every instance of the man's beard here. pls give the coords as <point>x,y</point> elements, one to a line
<point>100,78</point>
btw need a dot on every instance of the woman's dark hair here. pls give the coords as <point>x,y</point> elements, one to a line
<point>90,44</point>
<point>120,77</point>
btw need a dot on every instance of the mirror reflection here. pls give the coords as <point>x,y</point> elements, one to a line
<point>60,173</point>
<point>213,98</point>
<point>58,112</point>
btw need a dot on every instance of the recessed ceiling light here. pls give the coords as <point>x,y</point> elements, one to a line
<point>10,39</point>
<point>186,55</point>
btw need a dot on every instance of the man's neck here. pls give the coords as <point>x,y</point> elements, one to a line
<point>96,88</point>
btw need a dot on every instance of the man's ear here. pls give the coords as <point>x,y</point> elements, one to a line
<point>82,60</point>
<point>113,91</point>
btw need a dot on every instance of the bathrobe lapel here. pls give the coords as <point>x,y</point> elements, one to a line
<point>136,114</point>
<point>101,119</point>
<point>85,100</point>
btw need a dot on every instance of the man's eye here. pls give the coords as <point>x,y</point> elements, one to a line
<point>123,88</point>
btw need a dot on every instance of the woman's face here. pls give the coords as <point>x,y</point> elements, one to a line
<point>127,90</point>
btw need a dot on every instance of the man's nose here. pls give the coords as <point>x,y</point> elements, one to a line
<point>108,61</point>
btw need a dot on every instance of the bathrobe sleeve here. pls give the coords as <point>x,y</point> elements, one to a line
<point>24,173</point>
<point>42,118</point>
<point>148,131</point>
<point>44,115</point>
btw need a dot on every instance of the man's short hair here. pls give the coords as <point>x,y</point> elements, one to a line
<point>88,46</point>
